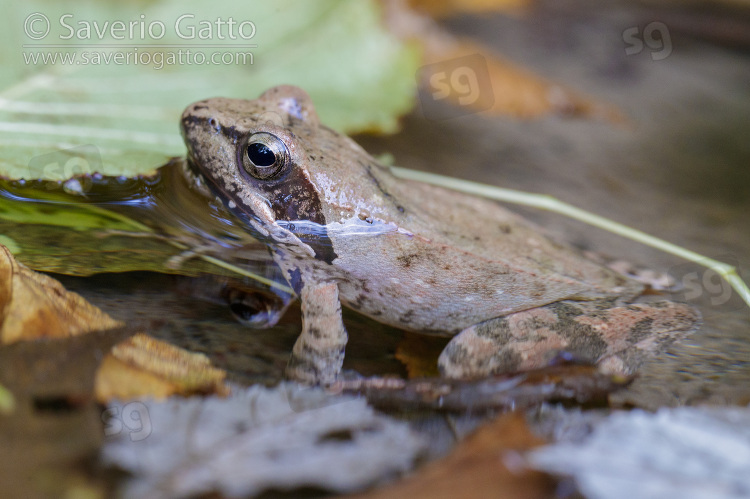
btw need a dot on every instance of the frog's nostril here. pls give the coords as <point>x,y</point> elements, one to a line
<point>212,122</point>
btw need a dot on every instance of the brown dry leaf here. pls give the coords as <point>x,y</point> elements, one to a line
<point>445,8</point>
<point>485,465</point>
<point>521,93</point>
<point>502,88</point>
<point>419,353</point>
<point>143,366</point>
<point>34,305</point>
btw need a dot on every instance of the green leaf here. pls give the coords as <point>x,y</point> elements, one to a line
<point>59,119</point>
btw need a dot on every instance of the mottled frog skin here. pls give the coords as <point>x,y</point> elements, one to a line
<point>343,229</point>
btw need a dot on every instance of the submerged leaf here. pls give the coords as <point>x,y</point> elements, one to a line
<point>72,216</point>
<point>158,223</point>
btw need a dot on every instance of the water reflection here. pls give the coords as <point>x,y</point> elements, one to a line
<point>170,206</point>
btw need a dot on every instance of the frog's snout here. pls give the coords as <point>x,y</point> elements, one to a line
<point>197,122</point>
<point>194,115</point>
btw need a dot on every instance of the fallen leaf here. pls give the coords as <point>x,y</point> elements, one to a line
<point>142,366</point>
<point>687,452</point>
<point>488,464</point>
<point>502,88</point>
<point>34,305</point>
<point>258,439</point>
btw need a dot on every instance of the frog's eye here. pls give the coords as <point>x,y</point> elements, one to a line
<point>264,155</point>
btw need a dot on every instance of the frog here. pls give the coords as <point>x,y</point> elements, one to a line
<point>344,230</point>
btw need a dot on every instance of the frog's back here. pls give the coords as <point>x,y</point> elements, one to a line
<point>456,260</point>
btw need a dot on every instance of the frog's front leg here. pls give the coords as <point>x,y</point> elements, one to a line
<point>618,339</point>
<point>318,354</point>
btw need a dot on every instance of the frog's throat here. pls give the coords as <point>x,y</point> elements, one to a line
<point>248,214</point>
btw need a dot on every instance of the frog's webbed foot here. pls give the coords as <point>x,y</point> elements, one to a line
<point>318,354</point>
<point>619,339</point>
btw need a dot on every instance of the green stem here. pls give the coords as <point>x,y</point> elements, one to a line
<point>247,273</point>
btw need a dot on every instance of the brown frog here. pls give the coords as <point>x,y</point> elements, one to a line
<point>343,229</point>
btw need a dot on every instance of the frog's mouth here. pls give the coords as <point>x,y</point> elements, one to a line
<point>197,174</point>
<point>202,179</point>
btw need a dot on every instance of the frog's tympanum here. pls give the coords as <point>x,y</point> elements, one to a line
<point>343,229</point>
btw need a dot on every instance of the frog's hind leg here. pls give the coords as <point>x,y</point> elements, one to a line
<point>618,338</point>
